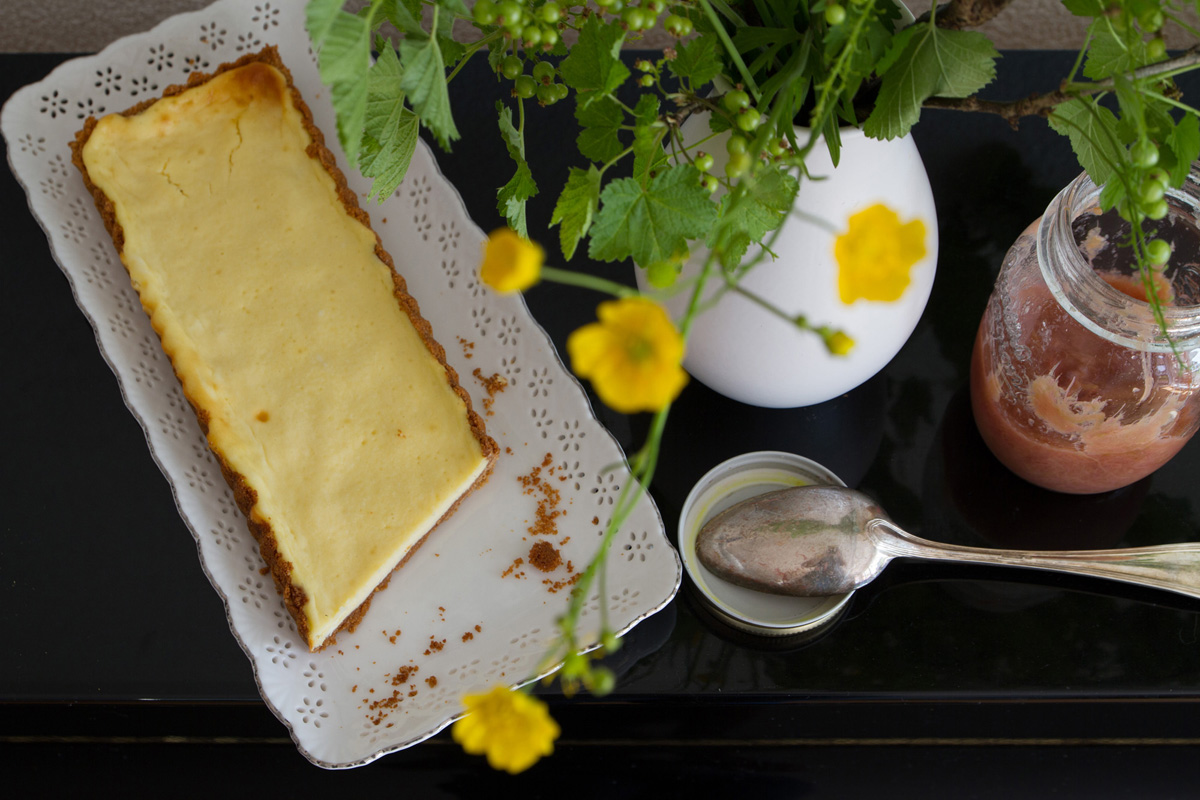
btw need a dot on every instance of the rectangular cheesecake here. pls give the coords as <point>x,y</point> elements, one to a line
<point>341,429</point>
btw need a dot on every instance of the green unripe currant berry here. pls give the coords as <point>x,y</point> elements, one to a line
<point>835,14</point>
<point>646,80</point>
<point>710,183</point>
<point>511,67</point>
<point>525,87</point>
<point>1156,49</point>
<point>484,12</point>
<point>662,275</point>
<point>735,100</point>
<point>543,72</point>
<point>560,91</point>
<point>1144,153</point>
<point>532,35</point>
<point>657,6</point>
<point>609,640</point>
<point>777,147</point>
<point>738,164</point>
<point>1151,19</point>
<point>1158,252</point>
<point>677,26</point>
<point>704,161</point>
<point>602,681</point>
<point>635,18</point>
<point>546,95</point>
<point>1151,191</point>
<point>1156,210</point>
<point>509,14</point>
<point>1159,176</point>
<point>616,6</point>
<point>574,666</point>
<point>551,13</point>
<point>549,38</point>
<point>749,119</point>
<point>736,144</point>
<point>604,3</point>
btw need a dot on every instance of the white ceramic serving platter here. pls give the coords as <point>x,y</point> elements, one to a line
<point>462,615</point>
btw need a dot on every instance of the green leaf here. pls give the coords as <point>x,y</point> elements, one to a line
<point>933,62</point>
<point>654,222</point>
<point>1084,8</point>
<point>601,122</point>
<point>696,61</point>
<point>405,19</point>
<point>1092,129</point>
<point>594,66</point>
<point>1184,142</point>
<point>576,207</point>
<point>512,196</point>
<point>318,19</point>
<point>647,135</point>
<point>424,82</point>
<point>1108,55</point>
<point>345,57</point>
<point>390,129</point>
<point>761,210</point>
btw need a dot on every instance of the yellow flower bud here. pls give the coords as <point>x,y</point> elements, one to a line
<point>510,263</point>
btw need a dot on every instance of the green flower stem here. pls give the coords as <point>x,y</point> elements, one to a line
<point>571,278</point>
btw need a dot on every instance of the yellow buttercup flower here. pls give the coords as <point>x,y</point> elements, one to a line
<point>510,262</point>
<point>875,255</point>
<point>514,729</point>
<point>632,355</point>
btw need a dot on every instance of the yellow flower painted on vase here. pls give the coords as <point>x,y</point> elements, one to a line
<point>632,355</point>
<point>513,728</point>
<point>876,254</point>
<point>510,263</point>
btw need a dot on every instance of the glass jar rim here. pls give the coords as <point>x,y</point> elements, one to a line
<point>1092,301</point>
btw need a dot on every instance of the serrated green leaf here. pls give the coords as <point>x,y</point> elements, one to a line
<point>1108,56</point>
<point>576,208</point>
<point>1084,8</point>
<point>696,61</point>
<point>424,81</point>
<point>512,196</point>
<point>345,57</point>
<point>1184,142</point>
<point>405,19</point>
<point>389,129</point>
<point>594,66</point>
<point>1092,129</point>
<point>654,222</point>
<point>764,207</point>
<point>318,19</point>
<point>934,62</point>
<point>647,136</point>
<point>600,138</point>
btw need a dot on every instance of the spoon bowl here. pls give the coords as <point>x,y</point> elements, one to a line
<point>812,541</point>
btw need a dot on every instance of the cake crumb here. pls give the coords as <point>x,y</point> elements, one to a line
<point>435,646</point>
<point>467,347</point>
<point>543,556</point>
<point>431,681</point>
<point>512,567</point>
<point>468,636</point>
<point>492,385</point>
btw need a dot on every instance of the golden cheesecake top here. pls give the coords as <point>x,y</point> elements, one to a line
<point>281,322</point>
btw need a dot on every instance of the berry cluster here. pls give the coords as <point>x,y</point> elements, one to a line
<point>536,27</point>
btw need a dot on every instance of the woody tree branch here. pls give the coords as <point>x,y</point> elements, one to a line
<point>1042,105</point>
<point>959,14</point>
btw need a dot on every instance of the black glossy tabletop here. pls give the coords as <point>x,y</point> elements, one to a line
<point>118,661</point>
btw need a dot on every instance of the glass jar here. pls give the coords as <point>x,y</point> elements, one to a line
<point>1074,385</point>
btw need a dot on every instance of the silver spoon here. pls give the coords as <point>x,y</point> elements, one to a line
<point>813,541</point>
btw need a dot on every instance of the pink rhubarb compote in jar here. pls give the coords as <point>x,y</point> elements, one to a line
<point>1075,385</point>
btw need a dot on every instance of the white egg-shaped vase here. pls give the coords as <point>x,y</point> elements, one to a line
<point>750,354</point>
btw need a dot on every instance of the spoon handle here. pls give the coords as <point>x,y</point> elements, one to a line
<point>1173,567</point>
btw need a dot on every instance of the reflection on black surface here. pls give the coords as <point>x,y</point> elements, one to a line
<point>971,498</point>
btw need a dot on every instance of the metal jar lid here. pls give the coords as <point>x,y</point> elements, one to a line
<point>731,482</point>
